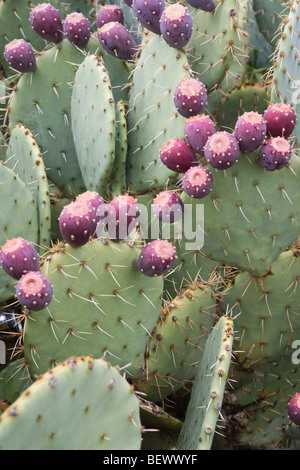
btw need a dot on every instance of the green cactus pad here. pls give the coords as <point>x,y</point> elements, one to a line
<point>94,123</point>
<point>242,99</point>
<point>218,40</point>
<point>174,350</point>
<point>191,267</point>
<point>42,102</point>
<point>250,216</point>
<point>14,380</point>
<point>152,116</point>
<point>207,394</point>
<point>262,398</point>
<point>286,70</point>
<point>23,155</point>
<point>18,218</point>
<point>85,394</point>
<point>101,306</point>
<point>118,177</point>
<point>269,15</point>
<point>266,310</point>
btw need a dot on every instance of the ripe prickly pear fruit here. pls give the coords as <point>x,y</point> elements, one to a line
<point>206,5</point>
<point>197,182</point>
<point>221,150</point>
<point>77,223</point>
<point>95,200</point>
<point>280,119</point>
<point>122,214</point>
<point>149,12</point>
<point>177,155</point>
<point>176,25</point>
<point>46,22</point>
<point>168,207</point>
<point>19,54</point>
<point>294,409</point>
<point>108,13</point>
<point>156,258</point>
<point>197,130</point>
<point>117,41</point>
<point>18,256</point>
<point>77,29</point>
<point>34,291</point>
<point>250,131</point>
<point>274,154</point>
<point>190,97</point>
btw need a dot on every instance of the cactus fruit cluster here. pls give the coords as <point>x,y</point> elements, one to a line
<point>150,225</point>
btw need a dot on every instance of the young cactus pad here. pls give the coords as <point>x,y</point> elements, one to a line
<point>208,389</point>
<point>94,123</point>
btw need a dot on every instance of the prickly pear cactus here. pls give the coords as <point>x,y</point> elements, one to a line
<point>103,319</point>
<point>86,384</point>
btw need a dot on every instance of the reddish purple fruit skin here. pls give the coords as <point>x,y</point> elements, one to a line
<point>225,158</point>
<point>190,97</point>
<point>122,215</point>
<point>117,41</point>
<point>202,187</point>
<point>77,229</point>
<point>108,13</point>
<point>281,120</point>
<point>20,260</point>
<point>176,25</point>
<point>271,159</point>
<point>197,130</point>
<point>177,155</point>
<point>206,5</point>
<point>149,13</point>
<point>151,264</point>
<point>46,21</point>
<point>95,200</point>
<point>77,29</point>
<point>168,207</point>
<point>19,54</point>
<point>250,136</point>
<point>293,409</point>
<point>41,298</point>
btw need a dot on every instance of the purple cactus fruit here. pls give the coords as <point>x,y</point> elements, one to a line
<point>34,291</point>
<point>77,223</point>
<point>206,5</point>
<point>18,256</point>
<point>122,214</point>
<point>250,131</point>
<point>197,182</point>
<point>46,21</point>
<point>176,25</point>
<point>168,207</point>
<point>156,258</point>
<point>117,41</point>
<point>275,154</point>
<point>128,3</point>
<point>108,13</point>
<point>293,409</point>
<point>19,54</point>
<point>190,97</point>
<point>95,200</point>
<point>149,12</point>
<point>280,119</point>
<point>77,29</point>
<point>177,155</point>
<point>221,150</point>
<point>197,130</point>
